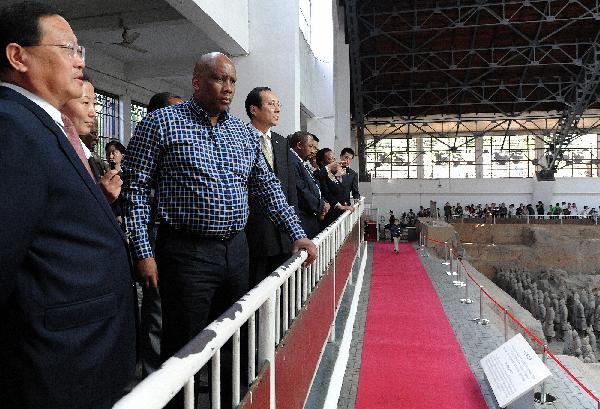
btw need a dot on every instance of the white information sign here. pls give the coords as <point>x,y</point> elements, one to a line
<point>513,369</point>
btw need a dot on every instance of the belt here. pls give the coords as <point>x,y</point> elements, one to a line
<point>166,229</point>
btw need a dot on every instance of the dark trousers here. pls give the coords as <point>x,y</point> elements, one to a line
<point>261,267</point>
<point>150,331</point>
<point>199,279</point>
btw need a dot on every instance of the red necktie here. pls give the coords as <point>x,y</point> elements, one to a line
<point>73,137</point>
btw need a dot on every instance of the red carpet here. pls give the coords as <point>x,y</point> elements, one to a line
<point>411,358</point>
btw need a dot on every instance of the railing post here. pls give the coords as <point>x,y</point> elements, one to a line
<point>188,394</point>
<point>251,348</point>
<point>216,380</point>
<point>266,342</point>
<point>333,304</point>
<point>235,369</point>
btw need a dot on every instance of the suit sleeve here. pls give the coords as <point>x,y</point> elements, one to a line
<point>292,192</point>
<point>354,188</point>
<point>264,186</point>
<point>307,200</point>
<point>24,185</point>
<point>328,194</point>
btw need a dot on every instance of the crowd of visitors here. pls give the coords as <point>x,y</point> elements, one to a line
<point>503,211</point>
<point>79,227</point>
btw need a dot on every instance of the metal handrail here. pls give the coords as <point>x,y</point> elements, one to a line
<point>296,283</point>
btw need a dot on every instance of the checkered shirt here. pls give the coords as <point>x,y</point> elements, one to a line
<point>202,175</point>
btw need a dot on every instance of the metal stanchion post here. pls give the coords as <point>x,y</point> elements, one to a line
<point>480,319</point>
<point>458,282</point>
<point>543,388</point>
<point>466,300</point>
<point>451,264</point>
<point>446,262</point>
<point>505,327</point>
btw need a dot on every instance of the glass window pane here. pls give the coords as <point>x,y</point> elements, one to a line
<point>107,119</point>
<point>138,111</point>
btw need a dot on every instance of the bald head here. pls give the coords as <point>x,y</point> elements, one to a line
<point>214,83</point>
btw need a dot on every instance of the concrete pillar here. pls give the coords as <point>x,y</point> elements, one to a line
<point>341,84</point>
<point>479,157</point>
<point>273,60</point>
<point>420,161</point>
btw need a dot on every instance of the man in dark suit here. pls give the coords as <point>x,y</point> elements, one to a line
<point>328,176</point>
<point>312,206</point>
<point>67,333</point>
<point>350,177</point>
<point>269,247</point>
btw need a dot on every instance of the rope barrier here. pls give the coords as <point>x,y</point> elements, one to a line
<point>521,325</point>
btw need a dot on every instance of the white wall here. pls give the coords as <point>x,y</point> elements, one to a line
<point>273,60</point>
<point>400,195</point>
<point>341,85</point>
<point>316,75</point>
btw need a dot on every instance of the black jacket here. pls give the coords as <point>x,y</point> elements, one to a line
<point>264,238</point>
<point>67,334</point>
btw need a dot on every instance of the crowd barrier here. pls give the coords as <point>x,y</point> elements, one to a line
<point>531,219</point>
<point>289,317</point>
<point>451,257</point>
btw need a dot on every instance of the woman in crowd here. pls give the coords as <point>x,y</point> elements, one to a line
<point>114,155</point>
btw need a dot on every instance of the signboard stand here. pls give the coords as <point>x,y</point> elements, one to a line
<point>513,370</point>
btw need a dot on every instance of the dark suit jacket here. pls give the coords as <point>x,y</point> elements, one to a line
<point>350,181</point>
<point>334,192</point>
<point>310,202</point>
<point>67,333</point>
<point>264,238</point>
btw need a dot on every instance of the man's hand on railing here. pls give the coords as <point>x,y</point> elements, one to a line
<point>309,246</point>
<point>147,272</point>
<point>346,207</point>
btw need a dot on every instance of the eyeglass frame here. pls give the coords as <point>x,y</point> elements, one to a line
<point>74,50</point>
<point>273,104</point>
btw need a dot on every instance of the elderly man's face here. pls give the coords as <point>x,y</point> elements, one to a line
<point>214,88</point>
<point>55,72</point>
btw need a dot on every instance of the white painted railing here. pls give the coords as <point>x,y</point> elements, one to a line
<point>291,283</point>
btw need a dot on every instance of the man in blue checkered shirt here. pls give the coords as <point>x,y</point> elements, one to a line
<point>203,164</point>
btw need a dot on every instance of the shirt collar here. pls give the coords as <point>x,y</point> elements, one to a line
<point>42,103</point>
<point>267,134</point>
<point>296,153</point>
<point>88,153</point>
<point>198,110</point>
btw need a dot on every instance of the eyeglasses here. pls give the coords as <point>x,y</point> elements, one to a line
<point>72,50</point>
<point>274,104</point>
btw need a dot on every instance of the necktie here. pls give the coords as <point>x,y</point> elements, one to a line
<point>267,149</point>
<point>73,138</point>
<point>310,173</point>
